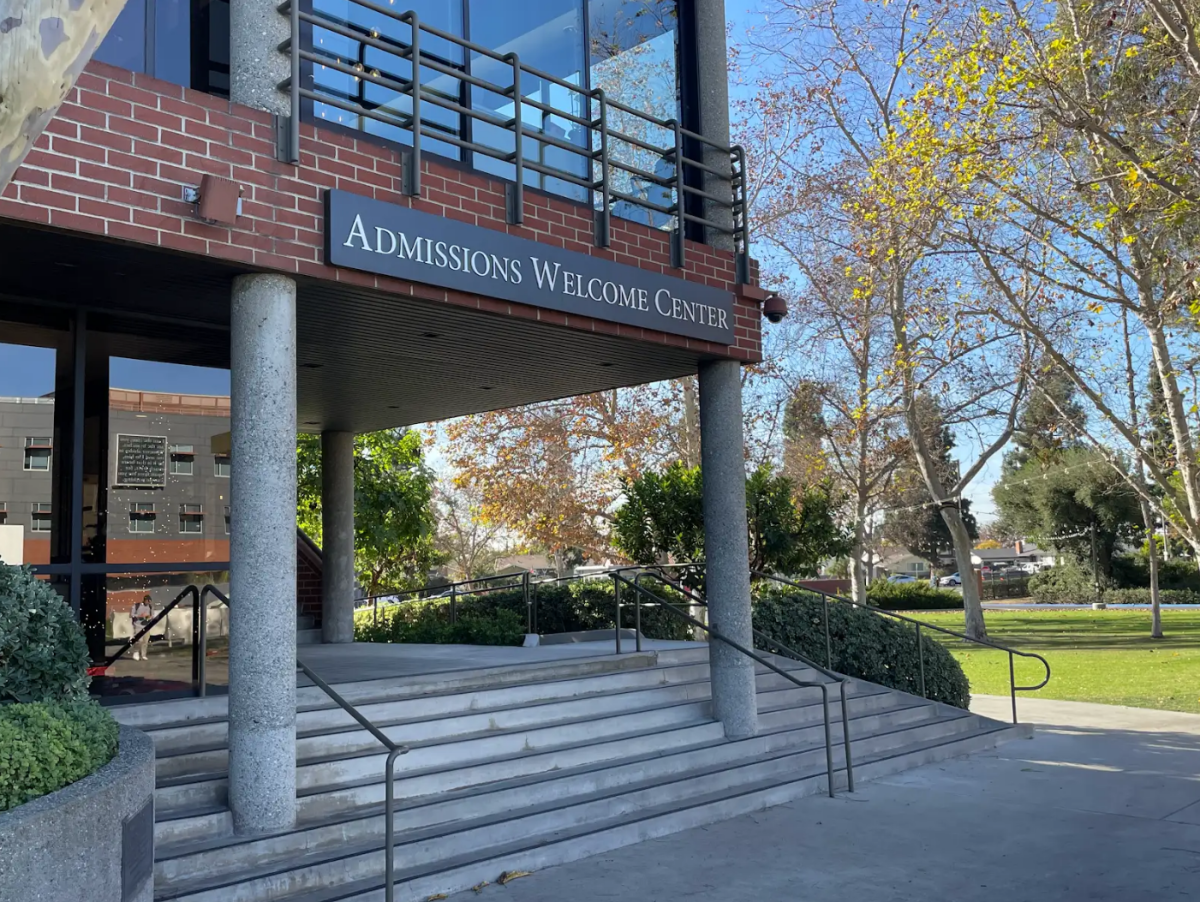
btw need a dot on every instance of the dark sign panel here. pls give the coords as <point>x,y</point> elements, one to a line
<point>141,461</point>
<point>371,235</point>
<point>137,851</point>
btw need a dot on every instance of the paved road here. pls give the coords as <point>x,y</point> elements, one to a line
<point>1102,805</point>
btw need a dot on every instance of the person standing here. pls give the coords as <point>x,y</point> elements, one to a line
<point>140,616</point>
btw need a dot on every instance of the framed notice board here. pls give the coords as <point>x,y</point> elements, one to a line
<point>141,461</point>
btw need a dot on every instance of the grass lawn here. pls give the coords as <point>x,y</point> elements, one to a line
<point>1095,656</point>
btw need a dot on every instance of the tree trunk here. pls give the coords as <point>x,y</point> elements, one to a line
<point>972,603</point>
<point>44,45</point>
<point>1152,548</point>
<point>858,568</point>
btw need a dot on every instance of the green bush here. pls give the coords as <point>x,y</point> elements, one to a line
<point>1132,571</point>
<point>45,746</point>
<point>1062,584</point>
<point>561,608</point>
<point>865,644</point>
<point>1142,596</point>
<point>43,653</point>
<point>918,596</point>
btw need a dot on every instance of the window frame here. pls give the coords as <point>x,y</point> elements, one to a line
<point>178,456</point>
<point>143,512</point>
<point>227,460</point>
<point>39,443</point>
<point>39,510</point>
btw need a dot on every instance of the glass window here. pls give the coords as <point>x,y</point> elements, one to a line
<point>3,518</point>
<point>183,460</point>
<point>125,43</point>
<point>547,35</point>
<point>221,465</point>
<point>226,521</point>
<point>191,518</point>
<point>37,452</point>
<point>378,94</point>
<point>633,58</point>
<point>39,512</point>
<point>142,516</point>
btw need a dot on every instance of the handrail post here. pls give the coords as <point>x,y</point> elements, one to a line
<point>1012,682</point>
<point>828,740</point>
<point>617,599</point>
<point>453,603</point>
<point>375,611</point>
<point>637,620</point>
<point>195,638</point>
<point>203,651</point>
<point>603,216</point>
<point>846,739</point>
<point>389,829</point>
<point>828,641</point>
<point>514,193</point>
<point>742,218</point>
<point>412,174</point>
<point>528,602</point>
<point>677,249</point>
<point>921,661</point>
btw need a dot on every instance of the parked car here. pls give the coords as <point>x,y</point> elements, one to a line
<point>952,580</point>
<point>902,578</point>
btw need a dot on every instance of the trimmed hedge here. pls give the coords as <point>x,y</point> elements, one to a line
<point>45,746</point>
<point>502,615</point>
<point>919,596</point>
<point>865,644</point>
<point>43,653</point>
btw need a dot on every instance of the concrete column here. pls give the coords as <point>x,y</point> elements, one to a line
<point>337,532</point>
<point>712,79</point>
<point>256,64</point>
<point>262,617</point>
<point>726,550</point>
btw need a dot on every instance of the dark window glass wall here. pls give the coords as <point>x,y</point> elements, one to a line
<point>181,41</point>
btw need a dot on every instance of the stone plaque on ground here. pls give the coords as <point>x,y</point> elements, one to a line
<point>141,461</point>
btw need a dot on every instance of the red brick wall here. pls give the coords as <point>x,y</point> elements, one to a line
<point>115,160</point>
<point>308,580</point>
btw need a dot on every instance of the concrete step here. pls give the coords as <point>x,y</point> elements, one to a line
<point>201,748</point>
<point>457,855</point>
<point>786,708</point>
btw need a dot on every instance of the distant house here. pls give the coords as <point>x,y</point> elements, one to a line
<point>538,564</point>
<point>1020,553</point>
<point>900,561</point>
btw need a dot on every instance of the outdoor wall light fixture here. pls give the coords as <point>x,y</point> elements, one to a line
<point>217,199</point>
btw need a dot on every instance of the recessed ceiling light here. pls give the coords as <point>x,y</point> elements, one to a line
<point>486,387</point>
<point>312,422</point>
<point>606,364</point>
<point>393,407</point>
<point>431,334</point>
<point>311,366</point>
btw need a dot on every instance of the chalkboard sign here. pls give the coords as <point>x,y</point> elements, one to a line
<point>141,461</point>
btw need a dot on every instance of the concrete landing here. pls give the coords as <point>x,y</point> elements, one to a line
<point>1102,805</point>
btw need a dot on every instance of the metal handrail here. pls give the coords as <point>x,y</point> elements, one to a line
<point>394,752</point>
<point>516,581</point>
<point>593,151</point>
<point>133,640</point>
<point>841,679</point>
<point>920,625</point>
<point>619,580</point>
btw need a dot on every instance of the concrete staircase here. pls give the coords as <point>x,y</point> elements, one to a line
<point>512,770</point>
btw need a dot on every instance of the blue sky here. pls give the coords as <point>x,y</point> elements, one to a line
<point>29,372</point>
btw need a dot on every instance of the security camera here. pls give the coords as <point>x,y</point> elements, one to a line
<point>774,308</point>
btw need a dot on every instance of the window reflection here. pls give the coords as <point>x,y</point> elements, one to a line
<point>633,59</point>
<point>27,376</point>
<point>169,464</point>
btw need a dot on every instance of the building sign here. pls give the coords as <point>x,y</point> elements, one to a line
<point>141,461</point>
<point>371,235</point>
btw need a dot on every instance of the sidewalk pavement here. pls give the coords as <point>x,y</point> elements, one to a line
<point>1102,805</point>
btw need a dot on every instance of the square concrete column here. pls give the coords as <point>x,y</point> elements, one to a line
<point>726,546</point>
<point>337,536</point>
<point>262,616</point>
<point>712,81</point>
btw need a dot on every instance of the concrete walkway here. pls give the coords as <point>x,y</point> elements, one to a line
<point>1102,804</point>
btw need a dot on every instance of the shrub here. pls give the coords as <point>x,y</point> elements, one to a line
<point>865,644</point>
<point>45,746</point>
<point>1132,571</point>
<point>43,653</point>
<point>919,596</point>
<point>1062,584</point>
<point>561,608</point>
<point>1142,596</point>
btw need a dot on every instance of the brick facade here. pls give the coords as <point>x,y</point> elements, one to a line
<point>115,160</point>
<point>309,596</point>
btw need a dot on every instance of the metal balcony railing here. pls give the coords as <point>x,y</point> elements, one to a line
<point>696,180</point>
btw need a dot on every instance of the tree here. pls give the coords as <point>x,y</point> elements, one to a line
<point>1051,421</point>
<point>662,521</point>
<point>465,539</point>
<point>824,130</point>
<point>916,520</point>
<point>1077,504</point>
<point>46,45</point>
<point>393,510</point>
